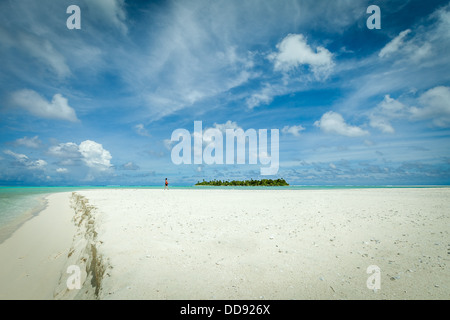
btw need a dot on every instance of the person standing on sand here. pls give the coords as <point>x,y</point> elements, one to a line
<point>167,185</point>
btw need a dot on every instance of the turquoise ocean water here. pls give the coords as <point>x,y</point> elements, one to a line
<point>18,204</point>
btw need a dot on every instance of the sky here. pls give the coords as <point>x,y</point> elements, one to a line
<point>98,105</point>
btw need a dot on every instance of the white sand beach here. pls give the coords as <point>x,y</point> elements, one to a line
<point>233,244</point>
<point>33,258</point>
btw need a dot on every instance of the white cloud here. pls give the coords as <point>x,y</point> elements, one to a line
<point>62,170</point>
<point>384,112</point>
<point>420,53</point>
<point>294,130</point>
<point>29,142</point>
<point>38,164</point>
<point>394,45</point>
<point>199,50</point>
<point>222,127</point>
<point>227,125</point>
<point>417,59</point>
<point>265,96</point>
<point>443,22</point>
<point>31,101</point>
<point>168,144</point>
<point>188,61</point>
<point>436,106</point>
<point>414,50</point>
<point>43,50</point>
<point>294,51</point>
<point>19,157</point>
<point>67,150</point>
<point>140,130</point>
<point>110,12</point>
<point>94,156</point>
<point>25,161</point>
<point>89,152</point>
<point>332,122</point>
<point>48,50</point>
<point>193,51</point>
<point>130,166</point>
<point>382,124</point>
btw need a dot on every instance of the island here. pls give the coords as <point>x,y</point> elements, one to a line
<point>245,183</point>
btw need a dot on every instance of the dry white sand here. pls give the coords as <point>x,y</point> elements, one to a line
<point>247,244</point>
<point>256,244</point>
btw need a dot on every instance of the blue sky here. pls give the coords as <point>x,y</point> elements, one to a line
<point>98,105</point>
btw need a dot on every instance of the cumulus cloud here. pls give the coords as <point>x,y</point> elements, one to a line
<point>34,103</point>
<point>94,156</point>
<point>384,112</point>
<point>332,122</point>
<point>294,130</point>
<point>62,170</point>
<point>436,106</point>
<point>89,152</point>
<point>294,51</point>
<point>29,142</point>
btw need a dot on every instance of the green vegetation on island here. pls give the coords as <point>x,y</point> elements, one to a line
<point>245,183</point>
